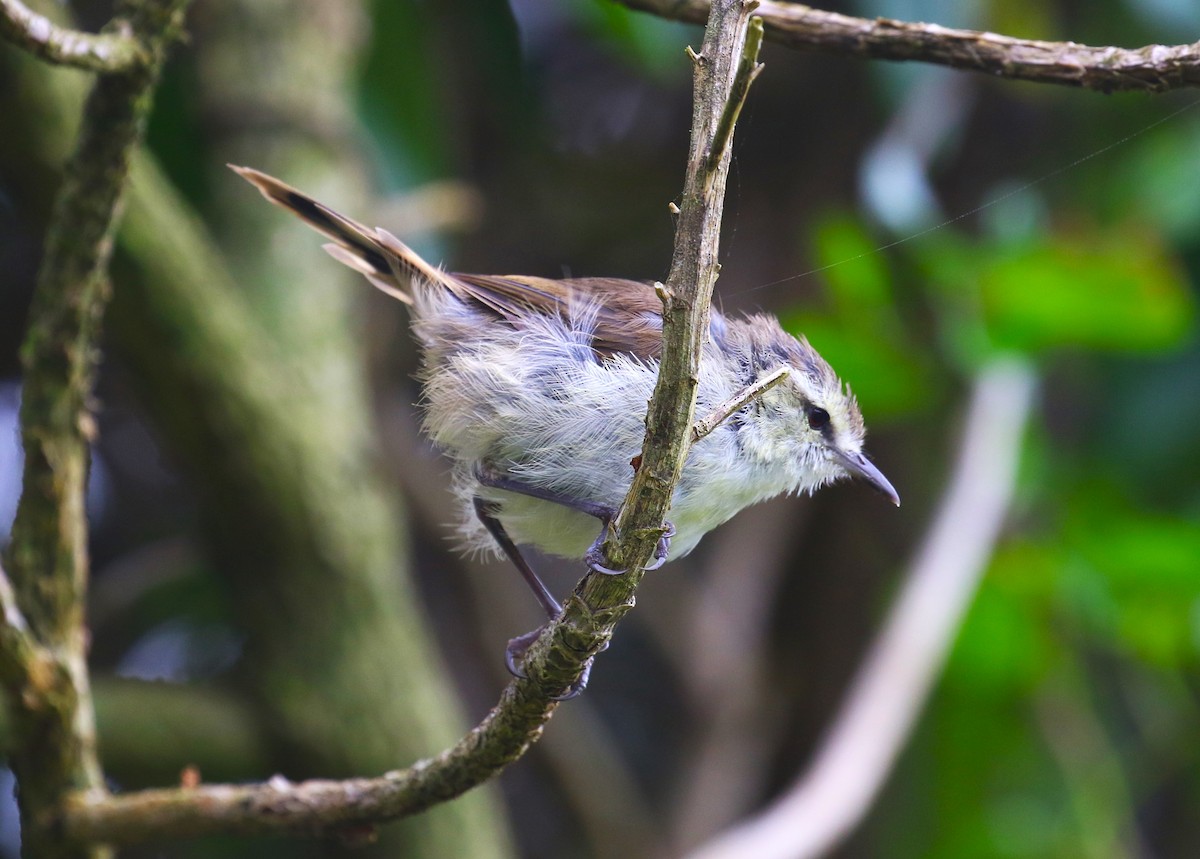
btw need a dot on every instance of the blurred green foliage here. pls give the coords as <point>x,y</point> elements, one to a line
<point>1057,726</point>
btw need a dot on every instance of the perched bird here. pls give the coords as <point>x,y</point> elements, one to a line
<point>537,388</point>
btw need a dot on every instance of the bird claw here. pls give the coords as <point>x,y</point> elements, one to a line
<point>664,546</point>
<point>516,649</point>
<point>595,554</point>
<point>581,682</point>
<point>576,688</point>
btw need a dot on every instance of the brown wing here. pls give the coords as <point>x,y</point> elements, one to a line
<point>627,313</point>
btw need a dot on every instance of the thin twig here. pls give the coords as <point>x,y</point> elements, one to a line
<point>824,804</point>
<point>748,70</point>
<point>686,296</point>
<point>721,413</point>
<point>96,52</point>
<point>1153,68</point>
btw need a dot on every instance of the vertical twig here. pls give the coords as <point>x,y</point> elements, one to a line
<point>723,71</point>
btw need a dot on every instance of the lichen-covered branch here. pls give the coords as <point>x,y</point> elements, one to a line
<point>556,659</point>
<point>114,51</point>
<point>48,552</point>
<point>1153,68</point>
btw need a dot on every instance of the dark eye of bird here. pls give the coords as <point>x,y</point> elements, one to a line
<point>817,417</point>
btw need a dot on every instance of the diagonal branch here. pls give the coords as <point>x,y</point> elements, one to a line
<point>103,52</point>
<point>555,661</point>
<point>1153,68</point>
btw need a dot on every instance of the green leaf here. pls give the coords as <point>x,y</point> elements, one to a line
<point>1147,564</point>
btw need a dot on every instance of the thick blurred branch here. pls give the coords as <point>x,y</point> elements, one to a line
<point>1153,68</point>
<point>283,455</point>
<point>114,51</point>
<point>48,555</point>
<point>308,539</point>
<point>884,701</point>
<point>556,659</point>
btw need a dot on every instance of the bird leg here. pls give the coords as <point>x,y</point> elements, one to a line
<point>486,511</point>
<point>594,557</point>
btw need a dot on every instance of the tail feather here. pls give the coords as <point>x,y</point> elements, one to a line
<point>389,264</point>
<point>383,284</point>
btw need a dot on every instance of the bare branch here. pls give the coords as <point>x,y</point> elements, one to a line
<point>686,297</point>
<point>748,69</point>
<point>830,798</point>
<point>103,52</point>
<point>1153,68</point>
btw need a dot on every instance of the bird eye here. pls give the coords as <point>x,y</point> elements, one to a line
<point>817,417</point>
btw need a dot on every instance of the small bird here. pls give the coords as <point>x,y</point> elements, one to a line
<point>537,388</point>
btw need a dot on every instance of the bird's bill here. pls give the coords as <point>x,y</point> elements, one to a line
<point>859,466</point>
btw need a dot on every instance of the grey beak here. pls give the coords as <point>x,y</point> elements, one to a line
<point>859,466</point>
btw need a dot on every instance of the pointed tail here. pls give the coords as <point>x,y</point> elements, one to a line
<point>384,260</point>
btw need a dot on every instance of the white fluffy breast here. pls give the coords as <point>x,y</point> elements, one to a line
<point>532,402</point>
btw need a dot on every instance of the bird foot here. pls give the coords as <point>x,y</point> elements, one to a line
<point>516,650</point>
<point>594,557</point>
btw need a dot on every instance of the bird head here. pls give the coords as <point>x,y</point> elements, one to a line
<point>811,419</point>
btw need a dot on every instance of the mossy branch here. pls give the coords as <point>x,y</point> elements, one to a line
<point>589,617</point>
<point>48,552</point>
<point>1153,68</point>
